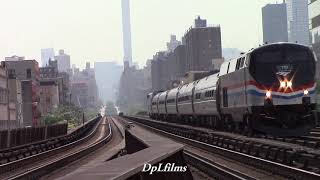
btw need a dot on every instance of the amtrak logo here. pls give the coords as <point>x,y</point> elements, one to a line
<point>284,70</point>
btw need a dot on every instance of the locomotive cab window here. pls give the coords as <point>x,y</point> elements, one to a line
<point>242,63</point>
<point>295,62</point>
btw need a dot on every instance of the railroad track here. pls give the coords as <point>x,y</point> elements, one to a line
<point>57,163</point>
<point>213,169</point>
<point>231,150</point>
<point>298,150</point>
<point>9,155</point>
<point>310,141</point>
<point>40,164</point>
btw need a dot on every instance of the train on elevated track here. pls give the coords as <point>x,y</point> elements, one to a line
<point>270,89</point>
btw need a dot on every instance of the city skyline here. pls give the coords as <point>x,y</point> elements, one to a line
<point>93,30</point>
<point>126,31</point>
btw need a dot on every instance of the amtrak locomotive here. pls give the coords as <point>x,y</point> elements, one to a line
<point>270,89</point>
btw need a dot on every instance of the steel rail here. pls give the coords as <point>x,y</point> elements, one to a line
<point>11,166</point>
<point>47,167</point>
<point>270,166</point>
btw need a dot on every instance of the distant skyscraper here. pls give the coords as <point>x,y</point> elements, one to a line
<point>200,22</point>
<point>298,21</point>
<point>126,28</point>
<point>314,14</point>
<point>173,43</point>
<point>46,54</point>
<point>274,21</point>
<point>63,61</point>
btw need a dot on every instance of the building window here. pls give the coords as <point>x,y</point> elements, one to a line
<point>12,73</point>
<point>28,73</point>
<point>198,96</point>
<point>3,94</point>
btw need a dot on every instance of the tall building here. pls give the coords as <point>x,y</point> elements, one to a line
<point>173,43</point>
<point>7,106</point>
<point>27,71</point>
<point>274,22</point>
<point>198,23</point>
<point>23,69</point>
<point>298,21</point>
<point>49,96</point>
<point>14,86</point>
<point>180,57</point>
<point>63,61</point>
<point>84,91</point>
<point>46,54</point>
<point>126,29</point>
<point>14,58</point>
<point>3,98</point>
<point>203,44</point>
<point>314,14</point>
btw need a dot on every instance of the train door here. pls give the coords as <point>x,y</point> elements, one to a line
<point>218,97</point>
<point>165,103</point>
<point>192,99</point>
<point>177,101</point>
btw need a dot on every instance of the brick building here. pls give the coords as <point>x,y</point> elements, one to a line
<point>203,44</point>
<point>61,79</point>
<point>27,71</point>
<point>30,103</point>
<point>15,94</point>
<point>84,90</point>
<point>180,57</point>
<point>49,95</point>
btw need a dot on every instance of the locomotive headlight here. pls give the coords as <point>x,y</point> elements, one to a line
<point>305,92</point>
<point>283,84</point>
<point>289,84</point>
<point>268,94</point>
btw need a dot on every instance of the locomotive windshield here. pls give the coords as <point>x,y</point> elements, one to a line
<point>282,61</point>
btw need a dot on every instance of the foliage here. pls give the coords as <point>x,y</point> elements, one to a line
<point>70,114</point>
<point>51,119</point>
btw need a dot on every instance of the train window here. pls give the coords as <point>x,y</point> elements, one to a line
<point>228,68</point>
<point>198,95</point>
<point>183,98</point>
<point>242,62</point>
<point>238,63</point>
<point>232,66</point>
<point>210,93</point>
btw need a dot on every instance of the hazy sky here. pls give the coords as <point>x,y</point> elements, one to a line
<point>92,29</point>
